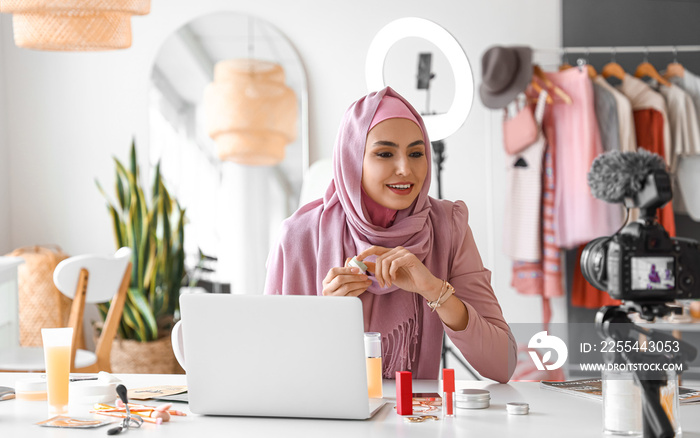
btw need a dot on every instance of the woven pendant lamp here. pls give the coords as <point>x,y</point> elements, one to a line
<point>73,25</point>
<point>250,112</point>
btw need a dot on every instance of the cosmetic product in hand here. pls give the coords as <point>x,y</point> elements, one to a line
<point>373,350</point>
<point>355,263</point>
<point>448,392</point>
<point>404,393</point>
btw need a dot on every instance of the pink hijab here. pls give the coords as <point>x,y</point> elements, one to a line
<point>323,233</point>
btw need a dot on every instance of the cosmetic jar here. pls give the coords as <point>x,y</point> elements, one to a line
<point>358,264</point>
<point>515,408</point>
<point>92,391</point>
<point>472,398</point>
<point>30,389</point>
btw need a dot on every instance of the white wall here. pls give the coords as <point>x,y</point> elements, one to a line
<point>69,112</point>
<point>4,158</point>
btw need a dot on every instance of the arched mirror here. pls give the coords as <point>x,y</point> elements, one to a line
<point>234,210</point>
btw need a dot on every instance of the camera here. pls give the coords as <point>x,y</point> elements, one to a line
<point>640,262</point>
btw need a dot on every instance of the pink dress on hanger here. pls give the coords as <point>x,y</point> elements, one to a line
<point>579,216</point>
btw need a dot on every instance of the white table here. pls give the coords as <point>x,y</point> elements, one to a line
<point>551,415</point>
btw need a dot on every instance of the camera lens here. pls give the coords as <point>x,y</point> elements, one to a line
<point>593,262</point>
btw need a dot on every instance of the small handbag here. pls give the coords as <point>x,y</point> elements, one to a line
<point>521,130</point>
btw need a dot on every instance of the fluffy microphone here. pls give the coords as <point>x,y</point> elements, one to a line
<point>617,175</point>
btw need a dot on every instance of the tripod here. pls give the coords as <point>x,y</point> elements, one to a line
<point>612,322</point>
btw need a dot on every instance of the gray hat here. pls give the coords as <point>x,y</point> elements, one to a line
<point>505,72</point>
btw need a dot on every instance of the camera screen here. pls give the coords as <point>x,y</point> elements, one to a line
<point>652,273</point>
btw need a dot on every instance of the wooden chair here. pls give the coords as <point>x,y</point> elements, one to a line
<point>85,279</point>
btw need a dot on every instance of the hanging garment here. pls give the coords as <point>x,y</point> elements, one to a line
<point>685,135</point>
<point>522,226</point>
<point>652,129</point>
<point>606,114</point>
<point>683,123</point>
<point>579,216</point>
<point>625,120</point>
<point>544,278</point>
<point>690,82</point>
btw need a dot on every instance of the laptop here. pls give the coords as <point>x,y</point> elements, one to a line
<point>276,356</point>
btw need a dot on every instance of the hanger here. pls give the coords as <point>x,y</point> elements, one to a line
<point>565,61</point>
<point>583,62</point>
<point>645,69</point>
<point>613,69</point>
<point>539,74</point>
<point>538,89</point>
<point>580,62</point>
<point>674,69</point>
<point>591,70</point>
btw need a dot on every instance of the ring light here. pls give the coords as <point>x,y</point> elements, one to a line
<point>439,126</point>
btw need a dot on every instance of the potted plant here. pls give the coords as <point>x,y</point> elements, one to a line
<point>153,227</point>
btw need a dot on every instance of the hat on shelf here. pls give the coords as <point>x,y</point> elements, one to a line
<point>505,72</point>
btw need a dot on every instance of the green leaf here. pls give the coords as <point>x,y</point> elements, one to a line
<point>168,201</point>
<point>117,226</point>
<point>160,305</point>
<point>156,182</point>
<point>103,308</point>
<point>133,320</point>
<point>127,182</point>
<point>137,297</point>
<point>100,189</point>
<point>132,161</point>
<point>121,192</point>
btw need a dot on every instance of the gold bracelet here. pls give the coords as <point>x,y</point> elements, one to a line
<point>445,292</point>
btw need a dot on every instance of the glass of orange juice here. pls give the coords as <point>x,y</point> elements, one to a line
<point>57,344</point>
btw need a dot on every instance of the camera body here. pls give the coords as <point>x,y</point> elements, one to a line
<point>641,262</point>
<point>645,265</point>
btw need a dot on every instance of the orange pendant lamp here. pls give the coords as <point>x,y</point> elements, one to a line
<point>250,112</point>
<point>73,25</point>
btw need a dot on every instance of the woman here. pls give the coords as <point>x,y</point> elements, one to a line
<point>427,273</point>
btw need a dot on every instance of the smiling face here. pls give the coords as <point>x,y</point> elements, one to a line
<point>394,166</point>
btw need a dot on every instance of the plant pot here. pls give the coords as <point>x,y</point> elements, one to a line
<point>134,357</point>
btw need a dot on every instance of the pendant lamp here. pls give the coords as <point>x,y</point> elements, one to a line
<point>250,112</point>
<point>73,25</point>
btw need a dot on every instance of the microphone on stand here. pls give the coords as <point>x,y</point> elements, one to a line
<point>635,179</point>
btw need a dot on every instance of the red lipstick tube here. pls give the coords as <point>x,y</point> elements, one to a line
<point>404,393</point>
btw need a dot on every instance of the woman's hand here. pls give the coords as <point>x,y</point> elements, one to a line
<point>345,281</point>
<point>401,267</point>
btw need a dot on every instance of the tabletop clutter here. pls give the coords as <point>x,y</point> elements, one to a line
<point>409,403</point>
<point>98,391</point>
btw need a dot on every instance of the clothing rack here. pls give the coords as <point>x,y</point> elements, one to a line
<point>622,49</point>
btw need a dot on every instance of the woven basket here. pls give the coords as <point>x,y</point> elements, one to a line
<point>134,357</point>
<point>73,25</point>
<point>40,303</point>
